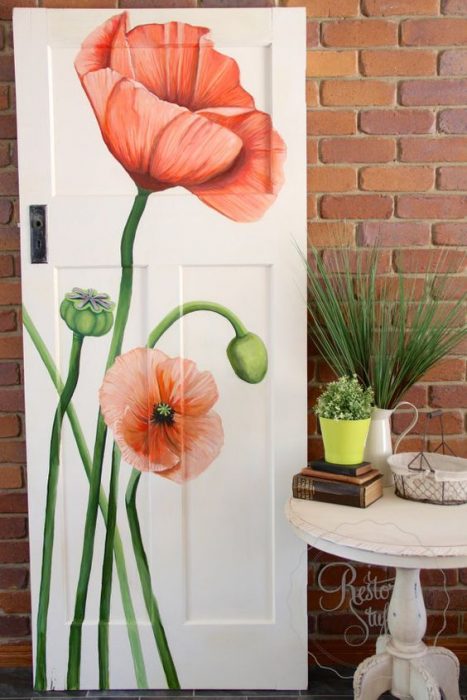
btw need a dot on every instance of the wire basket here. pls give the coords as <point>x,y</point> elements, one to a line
<point>430,477</point>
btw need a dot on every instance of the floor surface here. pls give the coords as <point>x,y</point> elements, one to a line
<point>323,685</point>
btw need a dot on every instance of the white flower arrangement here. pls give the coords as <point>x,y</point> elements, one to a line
<point>345,399</point>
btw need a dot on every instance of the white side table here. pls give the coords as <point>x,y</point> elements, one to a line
<point>409,536</point>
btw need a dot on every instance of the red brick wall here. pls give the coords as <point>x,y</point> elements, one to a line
<point>387,118</point>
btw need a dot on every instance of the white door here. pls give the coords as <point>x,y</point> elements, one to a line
<point>203,585</point>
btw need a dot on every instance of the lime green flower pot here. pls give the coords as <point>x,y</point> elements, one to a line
<point>344,440</point>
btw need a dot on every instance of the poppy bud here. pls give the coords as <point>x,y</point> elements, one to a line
<point>87,312</point>
<point>249,358</point>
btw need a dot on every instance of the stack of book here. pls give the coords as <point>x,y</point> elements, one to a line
<point>348,484</point>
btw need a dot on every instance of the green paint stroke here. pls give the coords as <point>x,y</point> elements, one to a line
<point>146,583</point>
<point>107,571</point>
<point>40,682</point>
<point>121,317</point>
<point>130,617</point>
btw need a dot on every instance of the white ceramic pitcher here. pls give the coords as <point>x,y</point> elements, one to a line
<point>378,444</point>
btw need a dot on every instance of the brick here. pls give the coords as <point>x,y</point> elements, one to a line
<point>11,626</point>
<point>14,451</point>
<point>7,66</point>
<point>453,121</point>
<point>441,31</point>
<point>312,151</point>
<point>15,602</point>
<point>12,528</point>
<point>449,624</point>
<point>312,209</point>
<point>9,373</point>
<point>360,206</point>
<point>418,395</point>
<point>433,92</point>
<point>315,448</point>
<point>11,400</point>
<point>10,426</point>
<point>357,92</point>
<point>327,8</point>
<point>421,261</point>
<point>7,126</point>
<point>6,6</point>
<point>339,623</point>
<point>4,101</point>
<point>431,206</point>
<point>425,150</point>
<point>454,396</point>
<point>393,234</point>
<point>11,475</point>
<point>13,578</point>
<point>11,348</point>
<point>13,503</point>
<point>325,373</point>
<point>312,93</point>
<point>438,577</point>
<point>7,321</point>
<point>324,234</point>
<point>327,122</point>
<point>453,63</point>
<point>450,234</point>
<point>4,154</point>
<point>6,266</point>
<point>397,121</point>
<point>6,210</point>
<point>453,7</point>
<point>319,600</point>
<point>9,238</point>
<point>335,260</point>
<point>385,8</point>
<point>9,182</point>
<point>437,599</point>
<point>397,179</point>
<point>312,34</point>
<point>398,62</point>
<point>356,150</point>
<point>359,33</point>
<point>326,63</point>
<point>10,293</point>
<point>453,423</point>
<point>332,179</point>
<point>85,4</point>
<point>457,445</point>
<point>450,370</point>
<point>463,576</point>
<point>453,287</point>
<point>452,179</point>
<point>388,287</point>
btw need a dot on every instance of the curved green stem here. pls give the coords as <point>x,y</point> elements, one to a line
<point>146,583</point>
<point>179,311</point>
<point>130,617</point>
<point>106,585</point>
<point>121,317</point>
<point>49,524</point>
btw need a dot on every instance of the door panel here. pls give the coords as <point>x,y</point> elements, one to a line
<point>228,576</point>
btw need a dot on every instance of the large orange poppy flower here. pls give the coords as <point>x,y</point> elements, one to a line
<point>159,410</point>
<point>172,111</point>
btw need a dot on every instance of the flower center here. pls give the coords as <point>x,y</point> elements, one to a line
<point>162,413</point>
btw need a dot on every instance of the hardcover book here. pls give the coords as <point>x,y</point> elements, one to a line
<point>359,496</point>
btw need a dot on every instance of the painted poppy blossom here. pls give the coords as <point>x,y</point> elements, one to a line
<point>159,410</point>
<point>172,111</point>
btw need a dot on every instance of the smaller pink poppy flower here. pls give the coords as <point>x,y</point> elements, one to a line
<point>159,410</point>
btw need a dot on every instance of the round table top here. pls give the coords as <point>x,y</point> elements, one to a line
<point>390,532</point>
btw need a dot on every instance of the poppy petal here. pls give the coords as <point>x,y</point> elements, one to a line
<point>184,388</point>
<point>249,188</point>
<point>95,50</point>
<point>199,440</point>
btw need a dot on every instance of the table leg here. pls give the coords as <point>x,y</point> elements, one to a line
<point>404,664</point>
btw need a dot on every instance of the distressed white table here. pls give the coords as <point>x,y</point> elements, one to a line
<point>408,536</point>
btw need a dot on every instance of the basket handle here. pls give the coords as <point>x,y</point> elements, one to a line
<point>409,428</point>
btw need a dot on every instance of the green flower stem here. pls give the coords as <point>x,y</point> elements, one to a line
<point>106,585</point>
<point>189,308</point>
<point>49,524</point>
<point>146,584</point>
<point>121,317</point>
<point>132,627</point>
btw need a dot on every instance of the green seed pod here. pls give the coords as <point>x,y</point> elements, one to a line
<point>249,358</point>
<point>87,312</point>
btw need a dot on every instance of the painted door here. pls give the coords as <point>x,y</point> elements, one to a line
<point>165,344</point>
